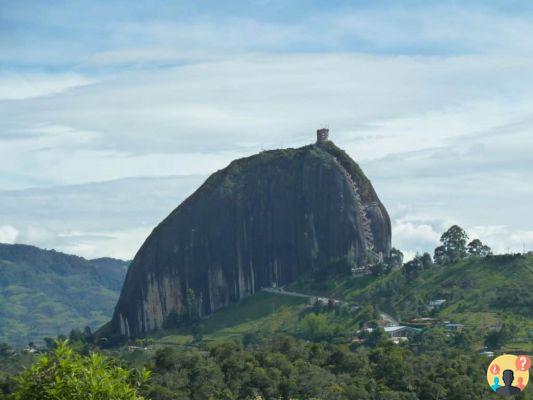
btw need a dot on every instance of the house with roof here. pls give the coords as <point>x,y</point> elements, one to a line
<point>398,331</point>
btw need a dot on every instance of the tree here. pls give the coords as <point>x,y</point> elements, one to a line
<point>5,350</point>
<point>396,258</point>
<point>477,249</point>
<point>173,320</point>
<point>426,261</point>
<point>379,269</point>
<point>166,358</point>
<point>453,245</point>
<point>193,306</point>
<point>65,374</point>
<point>88,336</point>
<point>197,332</point>
<point>464,339</point>
<point>440,255</point>
<point>412,268</point>
<point>498,338</point>
<point>376,337</point>
<point>418,264</point>
<point>75,336</point>
<point>367,314</point>
<point>495,339</point>
<point>431,339</point>
<point>50,343</point>
<point>316,327</point>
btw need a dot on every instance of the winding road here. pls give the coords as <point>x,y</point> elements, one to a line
<point>388,319</point>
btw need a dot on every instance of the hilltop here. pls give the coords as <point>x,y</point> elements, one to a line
<point>46,293</point>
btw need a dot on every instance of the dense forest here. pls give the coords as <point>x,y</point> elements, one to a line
<point>432,366</point>
<point>45,292</point>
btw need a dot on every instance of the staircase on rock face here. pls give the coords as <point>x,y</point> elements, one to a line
<point>362,212</point>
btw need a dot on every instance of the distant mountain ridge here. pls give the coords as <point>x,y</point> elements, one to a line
<point>45,292</point>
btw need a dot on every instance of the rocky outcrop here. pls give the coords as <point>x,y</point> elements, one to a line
<point>269,218</point>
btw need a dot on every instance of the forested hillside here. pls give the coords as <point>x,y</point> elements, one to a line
<point>45,293</point>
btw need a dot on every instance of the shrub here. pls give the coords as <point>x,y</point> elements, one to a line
<point>65,374</point>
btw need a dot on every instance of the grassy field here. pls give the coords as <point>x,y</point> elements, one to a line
<point>263,312</point>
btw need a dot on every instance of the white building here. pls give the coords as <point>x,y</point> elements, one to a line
<point>401,331</point>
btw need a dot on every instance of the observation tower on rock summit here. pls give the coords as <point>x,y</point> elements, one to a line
<point>322,135</point>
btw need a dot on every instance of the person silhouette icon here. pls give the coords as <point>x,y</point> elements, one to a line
<point>496,383</point>
<point>508,389</point>
<point>520,383</point>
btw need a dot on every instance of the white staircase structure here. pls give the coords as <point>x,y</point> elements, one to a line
<point>368,236</point>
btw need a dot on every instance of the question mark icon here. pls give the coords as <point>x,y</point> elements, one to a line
<point>495,369</point>
<point>523,363</point>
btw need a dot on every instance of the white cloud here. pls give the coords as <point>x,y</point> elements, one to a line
<point>503,239</point>
<point>203,115</point>
<point>118,244</point>
<point>92,220</point>
<point>8,234</point>
<point>434,101</point>
<point>16,86</point>
<point>407,233</point>
<point>414,237</point>
<point>36,235</point>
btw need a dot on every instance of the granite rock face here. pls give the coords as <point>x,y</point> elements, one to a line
<point>269,218</point>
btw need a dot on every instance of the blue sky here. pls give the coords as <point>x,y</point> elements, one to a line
<point>433,99</point>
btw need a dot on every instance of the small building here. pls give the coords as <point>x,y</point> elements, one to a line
<point>489,354</point>
<point>361,271</point>
<point>140,348</point>
<point>322,135</point>
<point>436,303</point>
<point>320,301</point>
<point>401,331</point>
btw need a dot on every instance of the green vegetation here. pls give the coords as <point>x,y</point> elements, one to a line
<point>273,345</point>
<point>481,293</point>
<point>351,166</point>
<point>65,374</point>
<point>280,366</point>
<point>278,346</point>
<point>285,368</point>
<point>454,247</point>
<point>486,293</point>
<point>497,284</point>
<point>44,293</point>
<point>262,314</point>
